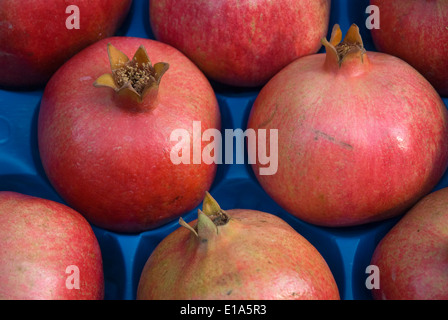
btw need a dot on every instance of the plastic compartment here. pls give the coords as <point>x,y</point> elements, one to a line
<point>346,250</point>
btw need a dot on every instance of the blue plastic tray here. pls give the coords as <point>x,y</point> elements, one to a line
<point>346,250</point>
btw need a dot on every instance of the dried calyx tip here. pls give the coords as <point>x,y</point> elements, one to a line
<point>211,216</point>
<point>212,209</point>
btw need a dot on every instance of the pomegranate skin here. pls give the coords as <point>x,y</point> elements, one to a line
<point>241,43</point>
<point>111,162</point>
<point>35,42</point>
<point>39,240</point>
<point>357,143</point>
<point>412,258</point>
<point>255,256</point>
<point>416,31</point>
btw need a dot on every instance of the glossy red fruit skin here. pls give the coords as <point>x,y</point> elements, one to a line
<point>113,163</point>
<point>255,256</point>
<point>417,32</point>
<point>241,43</point>
<point>35,42</point>
<point>412,258</point>
<point>39,239</point>
<point>356,144</point>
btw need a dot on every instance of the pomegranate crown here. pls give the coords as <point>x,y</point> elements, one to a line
<point>134,78</point>
<point>352,45</point>
<point>209,218</point>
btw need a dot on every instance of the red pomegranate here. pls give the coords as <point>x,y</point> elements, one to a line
<point>48,251</point>
<point>241,42</point>
<point>362,136</point>
<point>412,258</point>
<point>235,254</point>
<point>417,32</point>
<point>107,148</point>
<point>38,36</point>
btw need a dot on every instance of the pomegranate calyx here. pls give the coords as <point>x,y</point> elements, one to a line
<point>209,219</point>
<point>212,209</point>
<point>204,229</point>
<point>136,78</point>
<point>352,45</point>
<point>184,224</point>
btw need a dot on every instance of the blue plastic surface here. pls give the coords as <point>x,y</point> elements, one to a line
<point>346,250</point>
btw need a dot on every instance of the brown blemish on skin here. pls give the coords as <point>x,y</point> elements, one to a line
<point>267,121</point>
<point>319,134</point>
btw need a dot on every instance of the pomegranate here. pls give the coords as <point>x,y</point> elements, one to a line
<point>38,36</point>
<point>104,138</point>
<point>362,136</point>
<point>412,258</point>
<point>241,43</point>
<point>417,32</point>
<point>235,254</point>
<point>48,251</point>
